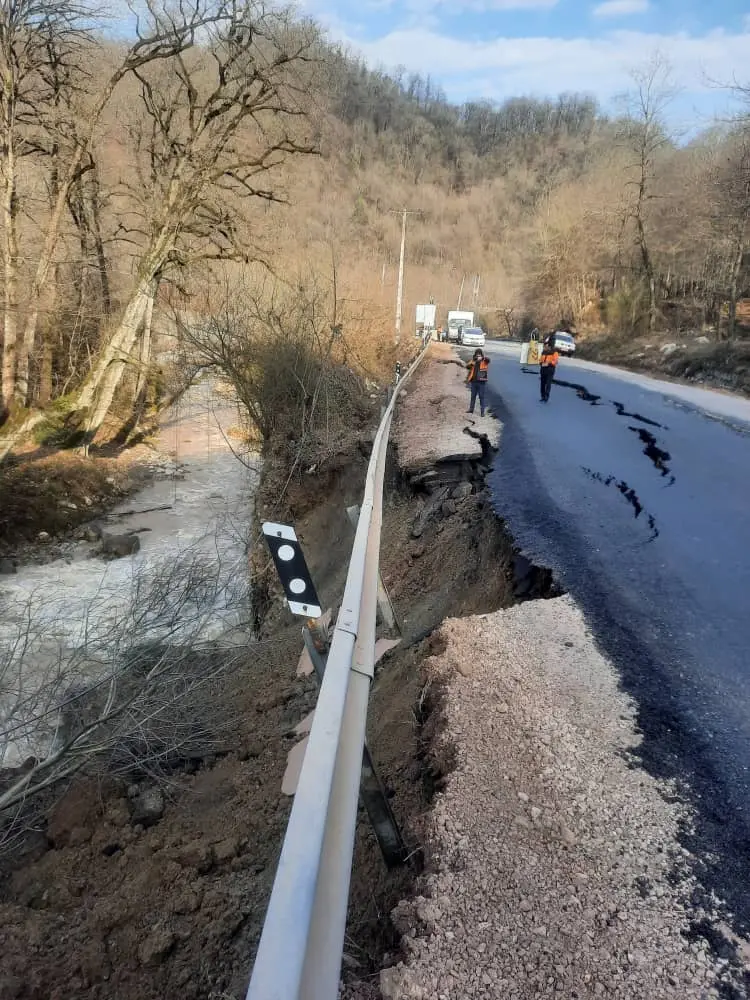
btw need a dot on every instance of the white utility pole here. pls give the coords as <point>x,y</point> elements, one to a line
<point>400,292</point>
<point>461,292</point>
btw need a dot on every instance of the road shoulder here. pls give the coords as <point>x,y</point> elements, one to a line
<point>555,868</point>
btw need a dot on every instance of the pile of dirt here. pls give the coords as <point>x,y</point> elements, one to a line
<point>109,902</point>
<point>554,868</point>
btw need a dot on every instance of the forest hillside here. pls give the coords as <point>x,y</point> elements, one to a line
<point>224,174</point>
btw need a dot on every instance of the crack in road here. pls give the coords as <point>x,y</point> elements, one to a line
<point>651,450</point>
<point>657,455</point>
<point>581,391</point>
<point>484,443</point>
<point>630,495</point>
<point>622,412</point>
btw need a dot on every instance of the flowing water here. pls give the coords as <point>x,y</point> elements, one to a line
<point>72,617</point>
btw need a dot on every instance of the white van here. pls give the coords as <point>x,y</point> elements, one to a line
<point>473,337</point>
<point>564,342</point>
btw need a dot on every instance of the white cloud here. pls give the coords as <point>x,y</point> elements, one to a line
<point>503,67</point>
<point>620,8</point>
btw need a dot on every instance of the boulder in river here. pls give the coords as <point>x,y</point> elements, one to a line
<point>118,546</point>
<point>92,532</point>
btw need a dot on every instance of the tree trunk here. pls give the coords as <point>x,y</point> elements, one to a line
<point>648,270</point>
<point>145,359</point>
<point>45,372</point>
<point>734,289</point>
<point>10,265</point>
<point>38,284</point>
<point>77,208</point>
<point>99,391</point>
<point>117,343</point>
<point>48,347</point>
<point>101,257</point>
<point>651,304</point>
<point>141,388</point>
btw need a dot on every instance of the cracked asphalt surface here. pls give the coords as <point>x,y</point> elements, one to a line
<point>637,499</point>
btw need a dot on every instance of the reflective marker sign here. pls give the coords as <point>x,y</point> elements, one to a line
<point>292,569</point>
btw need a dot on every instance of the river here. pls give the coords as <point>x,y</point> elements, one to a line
<point>59,622</point>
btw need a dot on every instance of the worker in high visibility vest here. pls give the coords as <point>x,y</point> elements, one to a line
<point>477,379</point>
<point>547,368</point>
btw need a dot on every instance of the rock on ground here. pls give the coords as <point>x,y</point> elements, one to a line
<point>118,546</point>
<point>555,868</point>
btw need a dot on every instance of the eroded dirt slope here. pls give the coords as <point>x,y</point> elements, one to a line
<point>103,905</point>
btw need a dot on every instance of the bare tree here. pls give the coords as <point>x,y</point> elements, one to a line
<point>162,33</point>
<point>217,125</point>
<point>263,329</point>
<point>26,27</point>
<point>733,215</point>
<point>644,134</point>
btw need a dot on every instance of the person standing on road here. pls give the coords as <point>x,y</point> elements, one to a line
<point>477,379</point>
<point>547,369</point>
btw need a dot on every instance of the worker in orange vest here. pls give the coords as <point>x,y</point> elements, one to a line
<point>477,379</point>
<point>547,368</point>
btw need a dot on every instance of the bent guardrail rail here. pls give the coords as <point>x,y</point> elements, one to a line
<point>302,943</point>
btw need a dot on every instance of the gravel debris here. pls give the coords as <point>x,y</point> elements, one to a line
<point>554,867</point>
<point>431,423</point>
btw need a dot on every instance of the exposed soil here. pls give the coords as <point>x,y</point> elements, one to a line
<point>103,905</point>
<point>57,492</point>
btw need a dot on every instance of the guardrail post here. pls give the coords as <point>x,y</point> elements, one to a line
<point>384,823</point>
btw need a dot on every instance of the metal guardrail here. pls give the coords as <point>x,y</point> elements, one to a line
<point>301,946</point>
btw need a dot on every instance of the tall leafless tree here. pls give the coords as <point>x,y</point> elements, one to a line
<point>218,122</point>
<point>163,30</point>
<point>644,134</point>
<point>733,203</point>
<point>26,27</point>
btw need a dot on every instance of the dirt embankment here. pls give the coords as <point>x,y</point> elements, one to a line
<point>687,358</point>
<point>554,864</point>
<point>109,898</point>
<point>46,496</point>
<point>544,863</point>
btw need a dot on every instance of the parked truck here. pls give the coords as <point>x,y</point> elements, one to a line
<point>458,321</point>
<point>426,320</point>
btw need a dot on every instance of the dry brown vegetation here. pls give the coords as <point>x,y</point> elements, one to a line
<point>144,178</point>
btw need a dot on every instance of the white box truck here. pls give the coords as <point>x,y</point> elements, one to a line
<point>458,321</point>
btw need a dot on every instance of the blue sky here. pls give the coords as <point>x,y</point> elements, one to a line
<point>500,48</point>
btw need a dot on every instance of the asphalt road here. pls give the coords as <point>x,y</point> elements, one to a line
<point>637,495</point>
